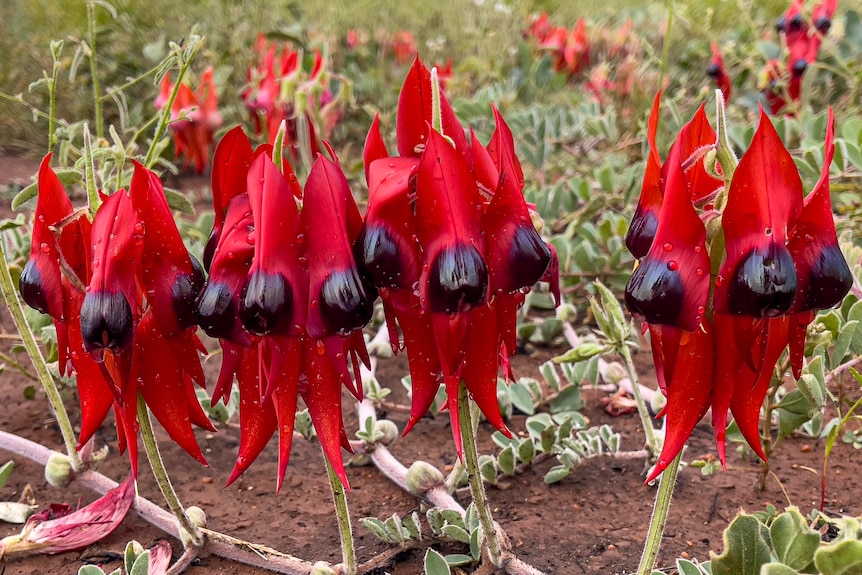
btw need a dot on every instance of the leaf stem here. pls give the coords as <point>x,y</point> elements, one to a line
<point>474,477</point>
<point>663,497</point>
<point>10,295</point>
<point>196,538</point>
<point>345,532</point>
<point>150,159</point>
<point>643,412</point>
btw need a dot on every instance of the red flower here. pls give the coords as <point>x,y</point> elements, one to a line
<point>718,72</point>
<point>446,229</point>
<point>284,296</point>
<point>122,295</point>
<point>781,263</point>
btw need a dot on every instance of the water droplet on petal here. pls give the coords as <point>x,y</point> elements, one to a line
<point>672,266</point>
<point>45,247</point>
<point>699,271</point>
<point>697,249</point>
<point>719,280</point>
<point>320,347</point>
<point>668,246</point>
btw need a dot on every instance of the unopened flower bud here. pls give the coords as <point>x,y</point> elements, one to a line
<point>422,477</point>
<point>388,429</point>
<point>322,568</point>
<point>197,515</point>
<point>58,470</point>
<point>614,373</point>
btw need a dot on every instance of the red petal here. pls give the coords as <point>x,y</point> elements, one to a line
<point>644,224</point>
<point>448,212</point>
<point>822,273</point>
<point>751,387</point>
<point>374,149</point>
<point>481,367</point>
<point>671,284</point>
<point>727,365</point>
<point>165,385</point>
<point>257,419</point>
<point>758,277</point>
<point>322,395</point>
<point>231,161</point>
<point>688,393</point>
<point>386,248</point>
<point>338,300</point>
<point>414,114</point>
<point>695,136</point>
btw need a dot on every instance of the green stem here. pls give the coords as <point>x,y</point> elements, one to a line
<point>643,412</point>
<point>158,466</point>
<point>15,364</point>
<point>665,50</point>
<point>766,435</point>
<point>477,487</point>
<point>19,99</point>
<point>94,67</point>
<point>93,199</point>
<point>659,517</point>
<point>150,159</point>
<point>10,294</point>
<point>345,533</point>
<point>52,94</point>
<point>130,83</point>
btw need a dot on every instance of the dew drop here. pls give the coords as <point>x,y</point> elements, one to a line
<point>250,239</point>
<point>45,247</point>
<point>314,304</point>
<point>668,246</point>
<point>699,271</point>
<point>697,249</point>
<point>768,231</point>
<point>139,228</point>
<point>700,309</point>
<point>809,238</point>
<point>320,347</point>
<point>672,266</point>
<point>719,280</point>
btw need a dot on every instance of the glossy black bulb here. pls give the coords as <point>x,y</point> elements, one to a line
<point>764,283</point>
<point>266,302</point>
<point>344,302</point>
<point>458,279</point>
<point>106,322</point>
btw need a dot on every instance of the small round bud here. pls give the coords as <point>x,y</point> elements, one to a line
<point>614,373</point>
<point>567,313</point>
<point>388,429</point>
<point>422,477</point>
<point>322,568</point>
<point>58,470</point>
<point>197,515</point>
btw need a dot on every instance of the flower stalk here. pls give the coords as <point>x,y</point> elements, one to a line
<point>345,532</point>
<point>195,537</point>
<point>10,295</point>
<point>477,487</point>
<point>663,497</point>
<point>94,67</point>
<point>643,411</point>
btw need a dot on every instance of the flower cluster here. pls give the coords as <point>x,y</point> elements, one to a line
<point>449,242</point>
<point>194,119</point>
<point>727,279</point>
<point>121,292</point>
<point>282,87</point>
<point>284,296</point>
<point>802,43</point>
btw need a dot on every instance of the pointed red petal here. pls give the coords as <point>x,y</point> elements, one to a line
<point>671,284</point>
<point>481,367</point>
<point>727,365</point>
<point>231,161</point>
<point>338,300</point>
<point>758,277</point>
<point>687,393</point>
<point>823,275</point>
<point>644,224</point>
<point>414,114</point>
<point>375,147</point>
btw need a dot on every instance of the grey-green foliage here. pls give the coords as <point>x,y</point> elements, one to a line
<point>444,525</point>
<point>787,543</point>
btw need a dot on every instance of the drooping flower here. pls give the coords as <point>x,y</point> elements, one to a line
<point>449,243</point>
<point>716,334</point>
<point>718,72</point>
<point>121,292</point>
<point>194,119</point>
<point>284,296</point>
<point>59,529</point>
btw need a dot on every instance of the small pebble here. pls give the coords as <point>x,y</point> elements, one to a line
<point>207,480</point>
<point>805,448</point>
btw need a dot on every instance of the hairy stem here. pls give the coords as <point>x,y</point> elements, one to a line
<point>659,517</point>
<point>150,159</point>
<point>10,295</point>
<point>643,412</point>
<point>766,436</point>
<point>161,474</point>
<point>477,487</point>
<point>345,532</point>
